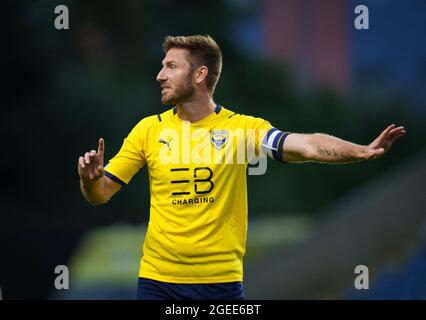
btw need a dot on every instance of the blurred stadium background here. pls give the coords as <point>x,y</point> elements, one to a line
<point>300,64</point>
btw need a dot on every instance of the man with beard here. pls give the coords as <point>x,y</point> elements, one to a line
<point>197,230</point>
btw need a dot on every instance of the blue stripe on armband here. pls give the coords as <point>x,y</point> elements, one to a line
<point>273,143</point>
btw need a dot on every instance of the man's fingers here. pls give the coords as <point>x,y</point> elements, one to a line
<point>94,159</point>
<point>87,158</point>
<point>101,145</point>
<point>382,136</point>
<point>396,130</point>
<point>397,135</point>
<point>391,132</point>
<point>81,162</point>
<point>101,150</point>
<point>92,162</point>
<point>387,130</point>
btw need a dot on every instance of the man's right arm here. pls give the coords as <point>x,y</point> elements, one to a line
<point>95,186</point>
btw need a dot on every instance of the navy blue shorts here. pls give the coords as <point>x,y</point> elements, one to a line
<point>149,289</point>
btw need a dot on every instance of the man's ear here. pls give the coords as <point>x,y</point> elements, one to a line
<point>201,74</point>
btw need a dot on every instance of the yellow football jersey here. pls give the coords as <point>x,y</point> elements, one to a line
<point>197,171</point>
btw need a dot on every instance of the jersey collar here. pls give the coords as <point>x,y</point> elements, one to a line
<point>203,121</point>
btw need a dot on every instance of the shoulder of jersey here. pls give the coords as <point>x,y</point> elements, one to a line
<point>222,112</point>
<point>166,115</point>
<point>228,114</point>
<point>155,119</point>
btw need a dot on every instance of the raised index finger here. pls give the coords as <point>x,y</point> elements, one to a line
<point>101,149</point>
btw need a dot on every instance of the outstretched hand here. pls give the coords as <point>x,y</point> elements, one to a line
<point>384,141</point>
<point>91,166</point>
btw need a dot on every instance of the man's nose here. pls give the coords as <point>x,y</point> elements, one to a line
<point>161,76</point>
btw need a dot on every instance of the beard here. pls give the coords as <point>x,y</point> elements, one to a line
<point>180,94</point>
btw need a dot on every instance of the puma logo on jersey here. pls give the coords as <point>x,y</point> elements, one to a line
<point>167,143</point>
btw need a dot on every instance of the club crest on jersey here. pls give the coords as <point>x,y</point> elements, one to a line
<point>219,138</point>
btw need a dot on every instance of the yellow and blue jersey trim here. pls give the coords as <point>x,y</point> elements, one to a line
<point>114,178</point>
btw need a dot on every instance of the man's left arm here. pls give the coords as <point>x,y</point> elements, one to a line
<point>320,147</point>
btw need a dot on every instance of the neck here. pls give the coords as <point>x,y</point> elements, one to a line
<point>196,109</point>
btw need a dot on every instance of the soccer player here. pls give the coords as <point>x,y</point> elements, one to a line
<point>197,155</point>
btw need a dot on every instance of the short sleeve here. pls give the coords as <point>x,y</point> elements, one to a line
<point>256,130</point>
<point>130,159</point>
<point>267,139</point>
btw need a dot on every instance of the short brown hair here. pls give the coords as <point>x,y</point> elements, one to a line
<point>205,51</point>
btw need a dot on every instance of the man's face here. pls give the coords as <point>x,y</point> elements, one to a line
<point>176,77</point>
